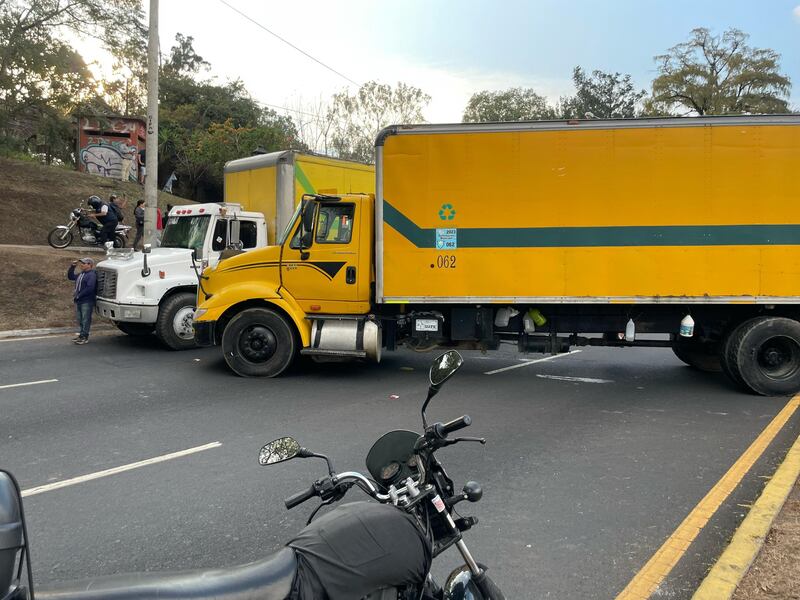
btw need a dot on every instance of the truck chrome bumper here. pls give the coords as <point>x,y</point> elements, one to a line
<point>204,334</point>
<point>133,313</point>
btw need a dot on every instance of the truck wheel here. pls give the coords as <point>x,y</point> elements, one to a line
<point>174,325</point>
<point>134,329</point>
<point>698,355</point>
<point>728,360</point>
<point>766,351</point>
<point>259,342</point>
<point>59,238</point>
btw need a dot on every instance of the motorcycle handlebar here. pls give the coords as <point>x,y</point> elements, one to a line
<point>300,497</point>
<point>456,424</point>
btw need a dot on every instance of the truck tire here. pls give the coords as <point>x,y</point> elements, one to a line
<point>135,329</point>
<point>259,342</point>
<point>698,355</point>
<point>174,324</point>
<point>766,354</point>
<point>728,359</point>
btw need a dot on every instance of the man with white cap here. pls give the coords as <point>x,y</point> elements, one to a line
<point>85,295</point>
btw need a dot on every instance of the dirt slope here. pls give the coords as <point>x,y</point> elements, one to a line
<point>34,198</point>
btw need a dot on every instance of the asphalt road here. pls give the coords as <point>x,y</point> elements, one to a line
<point>583,480</point>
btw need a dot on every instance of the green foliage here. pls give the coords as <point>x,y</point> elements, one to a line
<point>203,125</point>
<point>356,119</point>
<point>513,104</point>
<point>601,96</point>
<point>183,60</point>
<point>710,75</point>
<point>43,80</point>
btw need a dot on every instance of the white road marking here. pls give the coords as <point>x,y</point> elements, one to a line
<point>530,362</point>
<point>142,463</point>
<point>576,379</point>
<point>13,385</point>
<point>35,337</point>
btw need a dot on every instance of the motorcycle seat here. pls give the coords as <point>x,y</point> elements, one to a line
<point>268,579</point>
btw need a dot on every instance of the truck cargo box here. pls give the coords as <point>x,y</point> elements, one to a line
<point>695,210</point>
<point>273,183</point>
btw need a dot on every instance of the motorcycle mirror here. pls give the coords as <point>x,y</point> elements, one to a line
<point>279,450</point>
<point>147,248</point>
<point>444,367</point>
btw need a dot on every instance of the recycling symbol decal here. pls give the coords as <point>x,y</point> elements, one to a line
<point>447,212</point>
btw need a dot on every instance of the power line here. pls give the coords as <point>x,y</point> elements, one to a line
<point>287,42</point>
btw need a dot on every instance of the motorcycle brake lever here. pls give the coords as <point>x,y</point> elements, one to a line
<point>469,439</point>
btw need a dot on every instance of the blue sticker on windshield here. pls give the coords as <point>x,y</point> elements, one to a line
<point>447,239</point>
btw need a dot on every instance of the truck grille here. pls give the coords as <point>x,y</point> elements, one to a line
<point>106,283</point>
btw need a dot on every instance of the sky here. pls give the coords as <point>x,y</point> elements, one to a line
<point>452,49</point>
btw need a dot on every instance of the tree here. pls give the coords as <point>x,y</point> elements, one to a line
<point>183,60</point>
<point>601,95</point>
<point>357,118</point>
<point>42,78</point>
<point>720,74</point>
<point>202,125</point>
<point>513,104</point>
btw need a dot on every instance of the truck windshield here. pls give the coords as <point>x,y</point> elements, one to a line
<point>185,232</point>
<point>290,226</point>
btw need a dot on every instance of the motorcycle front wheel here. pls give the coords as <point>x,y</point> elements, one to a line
<point>119,241</point>
<point>59,238</point>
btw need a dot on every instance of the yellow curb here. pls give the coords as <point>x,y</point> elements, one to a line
<point>724,577</point>
<point>647,580</point>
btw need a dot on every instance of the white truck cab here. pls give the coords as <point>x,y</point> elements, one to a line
<point>156,291</point>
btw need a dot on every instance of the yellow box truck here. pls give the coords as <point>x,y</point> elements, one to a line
<point>539,234</point>
<point>273,183</point>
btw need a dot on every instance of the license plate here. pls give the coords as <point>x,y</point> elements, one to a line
<point>427,325</point>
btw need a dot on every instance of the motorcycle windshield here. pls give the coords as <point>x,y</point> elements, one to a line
<point>185,232</point>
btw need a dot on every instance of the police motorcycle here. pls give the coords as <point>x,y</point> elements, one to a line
<point>62,235</point>
<point>379,550</point>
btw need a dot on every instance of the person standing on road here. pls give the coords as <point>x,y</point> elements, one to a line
<point>138,214</point>
<point>107,217</point>
<point>84,296</point>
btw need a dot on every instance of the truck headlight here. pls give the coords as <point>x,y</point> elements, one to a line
<point>131,313</point>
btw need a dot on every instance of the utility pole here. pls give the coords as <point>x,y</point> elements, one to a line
<point>151,144</point>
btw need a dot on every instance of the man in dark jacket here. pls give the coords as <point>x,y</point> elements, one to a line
<point>138,215</point>
<point>84,296</point>
<point>107,217</point>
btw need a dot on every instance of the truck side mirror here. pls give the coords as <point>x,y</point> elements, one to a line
<point>234,235</point>
<point>307,224</point>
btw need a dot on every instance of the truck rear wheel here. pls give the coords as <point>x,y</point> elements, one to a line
<point>259,342</point>
<point>703,356</point>
<point>174,324</point>
<point>728,360</point>
<point>766,354</point>
<point>134,329</point>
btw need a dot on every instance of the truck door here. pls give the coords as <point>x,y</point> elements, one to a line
<point>326,275</point>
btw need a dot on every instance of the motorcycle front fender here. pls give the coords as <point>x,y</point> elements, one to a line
<point>463,585</point>
<point>63,228</point>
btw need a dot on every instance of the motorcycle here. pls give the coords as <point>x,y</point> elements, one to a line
<point>62,236</point>
<point>380,550</point>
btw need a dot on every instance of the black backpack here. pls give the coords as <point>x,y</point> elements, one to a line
<point>117,211</point>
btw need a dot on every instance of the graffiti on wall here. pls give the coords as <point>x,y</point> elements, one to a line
<point>117,160</point>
